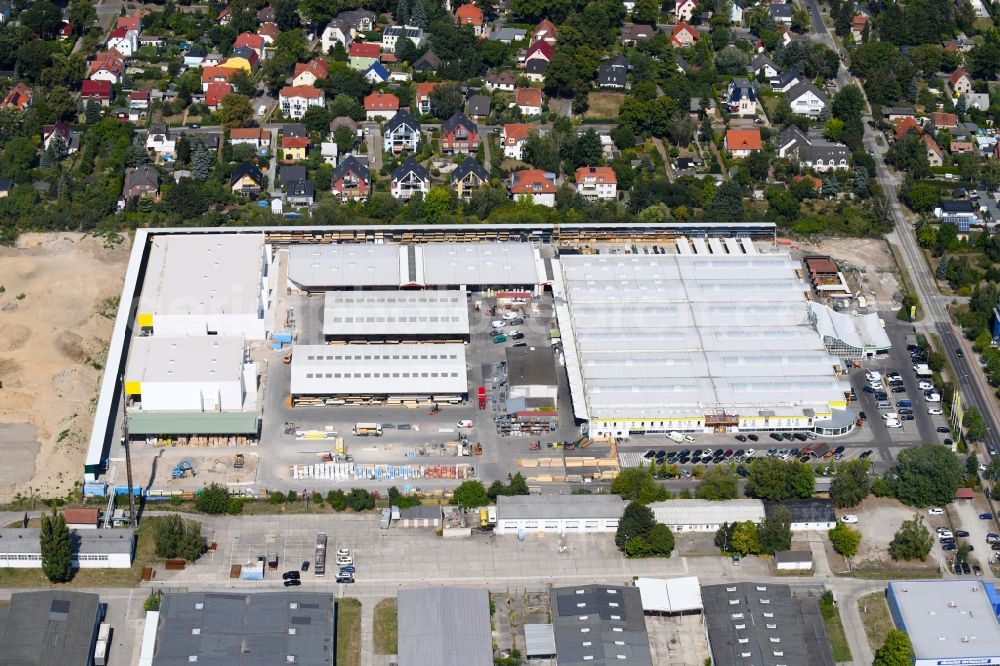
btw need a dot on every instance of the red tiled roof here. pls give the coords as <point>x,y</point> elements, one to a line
<point>945,120</point>
<point>744,140</point>
<point>601,174</point>
<point>316,66</point>
<point>540,47</point>
<point>81,516</point>
<point>117,33</point>
<point>469,15</point>
<point>965,493</point>
<point>294,141</point>
<point>250,40</point>
<point>214,73</point>
<point>215,91</point>
<point>364,50</point>
<point>956,75</point>
<point>516,132</point>
<point>905,125</point>
<point>99,89</point>
<point>381,102</point>
<point>528,96</point>
<point>531,181</point>
<point>306,92</point>
<point>129,22</point>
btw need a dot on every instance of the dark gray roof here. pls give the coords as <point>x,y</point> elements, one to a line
<point>139,176</point>
<point>789,75</point>
<point>478,105</point>
<point>207,139</point>
<point>427,62</point>
<point>6,184</point>
<point>343,121</point>
<point>259,629</point>
<point>247,169</point>
<point>300,189</point>
<point>353,165</point>
<point>356,16</point>
<point>294,129</point>
<point>85,541</point>
<point>599,625</point>
<point>805,510</point>
<point>780,11</point>
<point>408,165</point>
<point>536,66</point>
<point>444,627</point>
<point>531,366</point>
<point>783,556</point>
<point>801,88</point>
<point>764,620</point>
<point>402,117</point>
<point>470,165</point>
<point>430,512</point>
<point>760,61</point>
<point>458,118</point>
<point>49,627</point>
<point>292,173</point>
<point>810,148</point>
<point>963,206</point>
<point>613,73</point>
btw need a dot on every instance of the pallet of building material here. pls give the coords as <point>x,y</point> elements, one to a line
<point>527,462</point>
<point>541,478</point>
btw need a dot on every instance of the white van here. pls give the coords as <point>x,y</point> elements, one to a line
<point>676,436</point>
<point>688,439</point>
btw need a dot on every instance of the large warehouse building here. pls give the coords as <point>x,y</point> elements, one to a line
<point>396,315</point>
<point>717,343</point>
<point>558,514</point>
<point>191,385</point>
<point>696,515</point>
<point>948,621</point>
<point>444,626</point>
<point>205,285</point>
<point>380,371</point>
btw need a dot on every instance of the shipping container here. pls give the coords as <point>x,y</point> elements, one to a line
<point>482,397</point>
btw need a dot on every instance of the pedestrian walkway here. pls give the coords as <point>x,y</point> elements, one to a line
<point>368,632</point>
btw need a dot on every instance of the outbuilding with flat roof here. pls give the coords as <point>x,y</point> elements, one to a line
<point>49,627</point>
<point>807,514</point>
<point>696,515</point>
<point>670,596</point>
<point>396,315</point>
<point>444,626</point>
<point>558,514</point>
<point>948,621</point>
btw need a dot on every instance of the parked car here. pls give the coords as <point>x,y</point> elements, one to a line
<point>517,335</point>
<point>949,546</point>
<point>288,575</point>
<point>498,323</point>
<point>305,566</point>
<point>944,429</point>
<point>962,533</point>
<point>986,516</point>
<point>849,519</point>
<point>499,339</point>
<point>936,511</point>
<point>292,582</point>
<point>516,321</point>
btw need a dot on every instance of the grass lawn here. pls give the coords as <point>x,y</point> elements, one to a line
<point>770,106</point>
<point>348,632</point>
<point>875,616</point>
<point>385,627</point>
<point>603,104</point>
<point>834,629</point>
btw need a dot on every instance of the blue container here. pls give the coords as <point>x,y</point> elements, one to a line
<point>95,489</point>
<point>283,336</point>
<point>276,346</point>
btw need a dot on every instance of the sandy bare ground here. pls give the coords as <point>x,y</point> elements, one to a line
<point>57,310</point>
<point>870,255</point>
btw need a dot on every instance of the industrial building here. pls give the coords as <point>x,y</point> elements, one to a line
<point>191,385</point>
<point>531,379</point>
<point>695,515</point>
<point>444,626</point>
<point>466,266</point>
<point>396,315</point>
<point>599,624</point>
<point>670,596</point>
<point>20,548</point>
<point>807,514</point>
<point>751,623</point>
<point>205,285</point>
<point>259,629</point>
<point>384,371</point>
<point>948,621</point>
<point>695,343</point>
<point>558,514</point>
<point>49,627</point>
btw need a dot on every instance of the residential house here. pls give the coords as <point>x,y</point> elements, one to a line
<point>294,100</point>
<point>683,35</point>
<point>143,181</point>
<point>194,56</point>
<point>139,99</point>
<point>71,139</point>
<point>294,148</point>
<point>806,99</point>
<point>209,140</point>
<point>962,213</point>
<point>468,177</point>
<point>266,15</point>
<point>247,180</point>
<point>504,81</point>
<point>300,193</point>
<point>736,14</point>
<point>858,25</point>
<point>399,76</point>
<point>294,129</point>
<point>269,32</point>
<point>351,180</point>
<point>907,125</point>
<point>471,15</point>
<point>360,20</point>
<point>935,156</point>
<point>381,106</point>
<point>528,100</point>
<point>308,73</point>
<point>634,33</point>
<point>328,151</point>
<point>394,32</point>
<point>478,107</point>
<point>99,91</point>
<point>224,17</point>
<point>257,137</point>
<point>545,31</point>
<point>459,135</point>
<point>215,92</point>
<point>812,150</point>
<point>213,59</point>
<point>740,143</point>
<point>376,74</point>
<point>962,148</point>
<point>159,142</point>
<point>684,10</point>
<point>19,97</point>
<point>740,98</point>
<point>534,185</point>
<point>763,67</point>
<point>131,22</point>
<point>787,80</point>
<point>960,82</point>
<point>534,69</point>
<point>124,41</point>
<point>508,35</point>
<point>512,140</point>
<point>895,114</point>
<point>251,41</point>
<point>362,54</point>
<point>539,50</point>
<point>107,66</point>
<point>597,183</point>
<point>337,31</point>
<point>408,179</point>
<point>242,58</point>
<point>979,101</point>
<point>613,73</point>
<point>780,13</point>
<point>422,96</point>
<point>290,174</point>
<point>211,75</point>
<point>942,121</point>
<point>428,62</point>
<point>401,133</point>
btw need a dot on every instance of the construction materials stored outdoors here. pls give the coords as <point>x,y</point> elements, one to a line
<point>350,471</point>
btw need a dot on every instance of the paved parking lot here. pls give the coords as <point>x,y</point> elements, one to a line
<point>964,515</point>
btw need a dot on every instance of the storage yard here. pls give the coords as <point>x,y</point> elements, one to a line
<point>421,363</point>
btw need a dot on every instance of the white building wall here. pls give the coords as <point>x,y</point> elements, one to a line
<point>534,391</point>
<point>804,527</point>
<point>95,561</point>
<point>192,396</point>
<point>794,566</point>
<point>249,326</point>
<point>557,525</point>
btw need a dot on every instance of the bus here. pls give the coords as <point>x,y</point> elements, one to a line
<point>319,567</point>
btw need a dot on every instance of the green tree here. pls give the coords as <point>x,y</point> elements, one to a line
<point>972,465</point>
<point>637,521</point>
<point>975,426</point>
<point>775,479</point>
<point>446,100</point>
<point>895,651</point>
<point>57,549</point>
<point>175,537</point>
<point>912,541</point>
<point>92,112</point>
<point>317,119</point>
<point>42,18</point>
<point>926,475</point>
<point>436,205</point>
<point>636,484</point>
<point>337,499</point>
<point>661,540</point>
<point>470,494</point>
<point>845,540</point>
<point>646,11</point>
<point>202,162</point>
<point>851,484</point>
<point>82,15</point>
<point>213,499</point>
<point>723,535</point>
<point>360,499</point>
<point>235,110</point>
<point>718,483</point>
<point>137,155</point>
<point>745,539</point>
<point>727,204</point>
<point>775,531</point>
<point>243,84</point>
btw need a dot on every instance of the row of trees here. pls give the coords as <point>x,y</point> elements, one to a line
<point>639,535</point>
<point>773,534</point>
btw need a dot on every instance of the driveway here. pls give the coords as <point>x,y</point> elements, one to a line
<point>965,516</point>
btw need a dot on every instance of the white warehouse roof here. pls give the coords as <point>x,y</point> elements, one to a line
<point>203,274</point>
<point>404,369</point>
<point>670,595</point>
<point>393,312</point>
<point>479,264</point>
<point>649,336</point>
<point>347,265</point>
<point>214,358</point>
<point>859,331</point>
<point>941,615</point>
<point>705,512</point>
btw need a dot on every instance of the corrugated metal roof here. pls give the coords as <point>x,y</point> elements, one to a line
<point>395,312</point>
<point>444,627</point>
<point>540,507</point>
<point>539,640</point>
<point>705,512</point>
<point>49,627</point>
<point>379,369</point>
<point>670,595</point>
